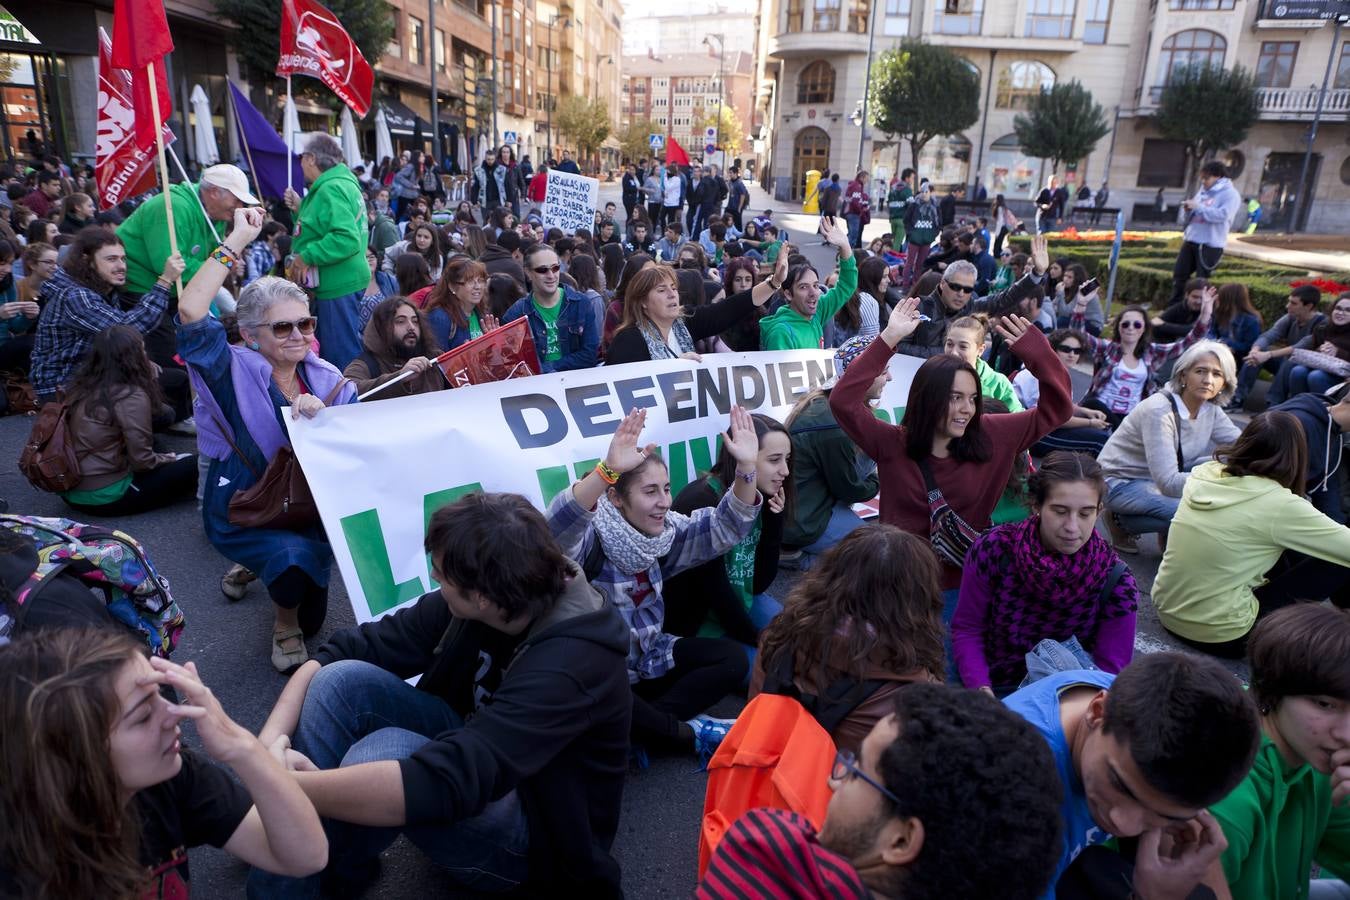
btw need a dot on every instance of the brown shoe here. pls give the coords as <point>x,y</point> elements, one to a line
<point>1120,538</point>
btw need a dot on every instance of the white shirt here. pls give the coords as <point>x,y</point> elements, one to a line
<point>1125,389</point>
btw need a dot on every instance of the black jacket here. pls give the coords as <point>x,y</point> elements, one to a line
<point>928,338</point>
<point>628,344</point>
<point>947,209</point>
<point>499,261</point>
<point>1177,322</point>
<point>631,190</point>
<point>546,713</point>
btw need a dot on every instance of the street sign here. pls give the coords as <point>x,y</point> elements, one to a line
<point>710,134</point>
<point>509,137</point>
<point>657,141</point>
<point>709,149</point>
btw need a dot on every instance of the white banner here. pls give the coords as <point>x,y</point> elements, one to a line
<point>379,470</point>
<point>570,201</point>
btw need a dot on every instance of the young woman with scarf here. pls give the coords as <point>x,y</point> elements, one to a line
<point>618,523</point>
<point>655,325</point>
<point>1048,577</point>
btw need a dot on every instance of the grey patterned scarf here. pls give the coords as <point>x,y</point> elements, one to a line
<point>656,345</point>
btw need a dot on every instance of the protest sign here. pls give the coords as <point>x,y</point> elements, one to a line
<point>505,352</point>
<point>378,471</point>
<point>570,201</point>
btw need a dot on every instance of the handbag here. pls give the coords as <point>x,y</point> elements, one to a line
<point>19,392</point>
<point>1325,362</point>
<point>949,534</point>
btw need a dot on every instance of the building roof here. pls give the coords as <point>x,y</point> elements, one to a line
<point>677,65</point>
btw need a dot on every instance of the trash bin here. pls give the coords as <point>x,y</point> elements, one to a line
<point>811,203</point>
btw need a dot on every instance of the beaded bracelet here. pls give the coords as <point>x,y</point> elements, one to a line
<point>607,474</point>
<point>224,256</point>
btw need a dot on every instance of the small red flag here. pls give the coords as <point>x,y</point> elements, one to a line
<point>314,43</point>
<point>505,352</point>
<point>675,153</point>
<point>141,36</point>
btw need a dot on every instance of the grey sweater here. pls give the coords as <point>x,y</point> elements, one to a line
<point>1145,444</point>
<point>1287,331</point>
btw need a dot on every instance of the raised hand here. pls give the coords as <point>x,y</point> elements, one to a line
<point>741,441</point>
<point>1210,295</point>
<point>1040,254</point>
<point>248,221</point>
<point>624,453</point>
<point>488,322</point>
<point>780,268</point>
<point>1012,328</point>
<point>905,318</point>
<point>221,736</point>
<point>834,233</point>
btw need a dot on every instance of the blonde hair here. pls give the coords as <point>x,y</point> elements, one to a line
<point>1192,355</point>
<point>978,324</point>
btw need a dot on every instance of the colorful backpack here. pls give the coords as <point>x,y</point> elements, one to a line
<point>106,560</point>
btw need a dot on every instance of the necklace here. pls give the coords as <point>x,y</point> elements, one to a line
<point>294,389</point>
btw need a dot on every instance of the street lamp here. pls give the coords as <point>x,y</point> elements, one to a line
<point>566,23</point>
<point>603,57</point>
<point>721,59</point>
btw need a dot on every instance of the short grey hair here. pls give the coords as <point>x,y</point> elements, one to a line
<point>325,150</point>
<point>261,295</point>
<point>1193,354</point>
<point>961,267</point>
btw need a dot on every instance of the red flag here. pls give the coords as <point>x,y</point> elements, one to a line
<point>675,153</point>
<point>121,168</point>
<point>505,352</point>
<point>314,43</point>
<point>141,36</point>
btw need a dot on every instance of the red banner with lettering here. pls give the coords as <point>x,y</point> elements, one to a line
<point>502,353</point>
<point>314,43</point>
<point>121,168</point>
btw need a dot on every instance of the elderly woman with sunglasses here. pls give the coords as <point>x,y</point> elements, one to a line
<point>241,393</point>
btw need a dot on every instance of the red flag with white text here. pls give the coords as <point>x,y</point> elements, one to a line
<point>121,168</point>
<point>502,353</point>
<point>141,36</point>
<point>314,43</point>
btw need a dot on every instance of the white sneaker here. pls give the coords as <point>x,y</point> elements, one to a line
<point>186,427</point>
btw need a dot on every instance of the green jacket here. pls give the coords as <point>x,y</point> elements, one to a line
<point>996,384</point>
<point>787,329</point>
<point>145,234</point>
<point>827,468</point>
<point>383,233</point>
<point>1277,822</point>
<point>331,232</point>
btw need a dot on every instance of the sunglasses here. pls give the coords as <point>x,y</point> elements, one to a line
<point>547,270</point>
<point>1068,348</point>
<point>963,288</point>
<point>282,330</point>
<point>1131,324</point>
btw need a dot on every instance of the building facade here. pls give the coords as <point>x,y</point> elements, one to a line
<point>666,34</point>
<point>680,94</point>
<point>813,61</point>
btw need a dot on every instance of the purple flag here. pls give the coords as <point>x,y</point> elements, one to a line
<point>264,150</point>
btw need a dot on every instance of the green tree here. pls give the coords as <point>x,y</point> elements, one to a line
<point>733,135</point>
<point>585,121</point>
<point>634,136</point>
<point>257,33</point>
<point>1062,124</point>
<point>1206,107</point>
<point>921,91</point>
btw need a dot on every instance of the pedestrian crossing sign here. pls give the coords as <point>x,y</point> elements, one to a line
<point>657,141</point>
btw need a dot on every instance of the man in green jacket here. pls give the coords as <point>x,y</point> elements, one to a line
<point>330,247</point>
<point>799,324</point>
<point>145,234</point>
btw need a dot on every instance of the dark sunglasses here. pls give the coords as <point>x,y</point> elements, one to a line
<point>282,330</point>
<point>1068,348</point>
<point>963,288</point>
<point>1131,324</point>
<point>547,270</point>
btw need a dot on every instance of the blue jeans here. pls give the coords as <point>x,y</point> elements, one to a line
<point>339,329</point>
<point>854,229</point>
<point>843,520</point>
<point>1142,508</point>
<point>1248,374</point>
<point>356,712</point>
<point>1303,380</point>
<point>1075,440</point>
<point>764,608</point>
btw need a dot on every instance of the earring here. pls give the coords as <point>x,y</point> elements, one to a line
<point>254,346</point>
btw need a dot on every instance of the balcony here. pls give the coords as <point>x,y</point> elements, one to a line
<point>1290,104</point>
<point>812,44</point>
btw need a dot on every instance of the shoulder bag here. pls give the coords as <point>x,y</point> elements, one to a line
<point>950,535</point>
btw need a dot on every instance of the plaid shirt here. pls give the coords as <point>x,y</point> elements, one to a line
<point>260,261</point>
<point>1106,354</point>
<point>72,314</point>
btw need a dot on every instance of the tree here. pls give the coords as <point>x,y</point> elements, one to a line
<point>733,136</point>
<point>585,121</point>
<point>257,33</point>
<point>1207,108</point>
<point>1062,124</point>
<point>634,137</point>
<point>921,91</point>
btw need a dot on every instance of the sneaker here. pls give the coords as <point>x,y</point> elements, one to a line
<point>1122,539</point>
<point>186,427</point>
<point>708,735</point>
<point>789,559</point>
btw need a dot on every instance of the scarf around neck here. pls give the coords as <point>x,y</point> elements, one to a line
<point>629,550</point>
<point>1038,571</point>
<point>656,345</point>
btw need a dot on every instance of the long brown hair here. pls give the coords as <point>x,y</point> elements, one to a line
<point>879,591</point>
<point>1272,446</point>
<point>68,831</point>
<point>459,268</point>
<point>636,291</point>
<point>1232,300</point>
<point>79,263</point>
<point>116,360</point>
<point>725,467</point>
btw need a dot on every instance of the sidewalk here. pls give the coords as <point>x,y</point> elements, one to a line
<point>1323,261</point>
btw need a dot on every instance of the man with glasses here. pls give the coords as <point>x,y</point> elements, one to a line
<point>562,321</point>
<point>955,297</point>
<point>951,796</point>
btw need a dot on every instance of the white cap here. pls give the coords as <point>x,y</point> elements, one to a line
<point>232,179</point>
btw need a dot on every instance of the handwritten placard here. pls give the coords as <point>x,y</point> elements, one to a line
<point>570,201</point>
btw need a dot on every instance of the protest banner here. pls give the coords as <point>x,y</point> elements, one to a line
<point>121,168</point>
<point>570,201</point>
<point>378,471</point>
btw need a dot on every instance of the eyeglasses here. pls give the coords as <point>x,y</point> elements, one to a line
<point>846,767</point>
<point>547,270</point>
<point>1131,324</point>
<point>282,330</point>
<point>963,288</point>
<point>1342,309</point>
<point>1068,348</point>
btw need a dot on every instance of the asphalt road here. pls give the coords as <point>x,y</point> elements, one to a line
<point>230,643</point>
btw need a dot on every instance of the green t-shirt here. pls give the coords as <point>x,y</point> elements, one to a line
<point>740,563</point>
<point>551,351</point>
<point>771,251</point>
<point>476,327</point>
<point>109,493</point>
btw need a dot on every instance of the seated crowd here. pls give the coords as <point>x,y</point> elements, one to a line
<point>972,718</point>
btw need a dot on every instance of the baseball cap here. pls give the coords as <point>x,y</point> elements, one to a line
<point>232,179</point>
<point>848,351</point>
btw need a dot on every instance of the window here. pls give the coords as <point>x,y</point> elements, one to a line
<point>816,83</point>
<point>1200,4</point>
<point>896,22</point>
<point>1194,47</point>
<point>508,82</point>
<point>957,16</point>
<point>416,46</point>
<point>529,34</point>
<point>1050,18</point>
<point>439,49</point>
<point>794,15</point>
<point>1162,164</point>
<point>859,16</point>
<point>1343,68</point>
<point>1275,65</point>
<point>1022,80</point>
<point>1098,15</point>
<point>506,29</point>
<point>659,101</point>
<point>826,17</point>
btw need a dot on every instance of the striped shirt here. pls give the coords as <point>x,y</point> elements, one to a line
<point>774,854</point>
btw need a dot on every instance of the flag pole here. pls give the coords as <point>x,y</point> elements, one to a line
<point>163,164</point>
<point>290,138</point>
<point>248,151</point>
<point>178,163</point>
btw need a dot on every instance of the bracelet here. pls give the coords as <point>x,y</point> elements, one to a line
<point>607,474</point>
<point>224,256</point>
<point>776,287</point>
<point>747,477</point>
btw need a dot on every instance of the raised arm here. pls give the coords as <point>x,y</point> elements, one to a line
<point>834,299</point>
<point>848,399</point>
<point>195,303</point>
<point>1055,405</point>
<point>1003,301</point>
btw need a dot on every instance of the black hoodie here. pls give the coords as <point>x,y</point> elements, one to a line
<point>547,712</point>
<point>1324,452</point>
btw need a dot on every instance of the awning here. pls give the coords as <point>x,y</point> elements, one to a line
<point>403,120</point>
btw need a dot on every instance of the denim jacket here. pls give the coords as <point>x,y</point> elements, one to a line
<point>578,332</point>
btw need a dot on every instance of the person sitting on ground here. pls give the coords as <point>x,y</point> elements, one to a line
<point>954,299</point>
<point>1049,577</point>
<point>1150,455</point>
<point>1290,811</point>
<point>1274,345</point>
<point>799,324</point>
<point>39,265</point>
<point>639,241</point>
<point>617,522</point>
<point>668,248</point>
<point>1325,419</point>
<point>867,617</point>
<point>1175,322</point>
<point>17,318</point>
<point>1235,321</point>
<point>424,240</point>
<point>656,326</point>
<point>830,472</point>
<point>739,276</point>
<point>114,399</point>
<point>729,597</point>
<point>380,286</point>
<point>240,392</point>
<point>1319,359</point>
<point>455,313</point>
<point>1087,430</point>
<point>966,340</point>
<point>505,764</point>
<point>77,211</point>
<point>412,277</point>
<point>100,799</point>
<point>561,320</point>
<point>1263,544</point>
<point>950,795</point>
<point>1124,370</point>
<point>1066,298</point>
<point>395,342</point>
<point>860,316</point>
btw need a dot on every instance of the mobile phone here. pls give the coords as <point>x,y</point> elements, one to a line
<point>1088,287</point>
